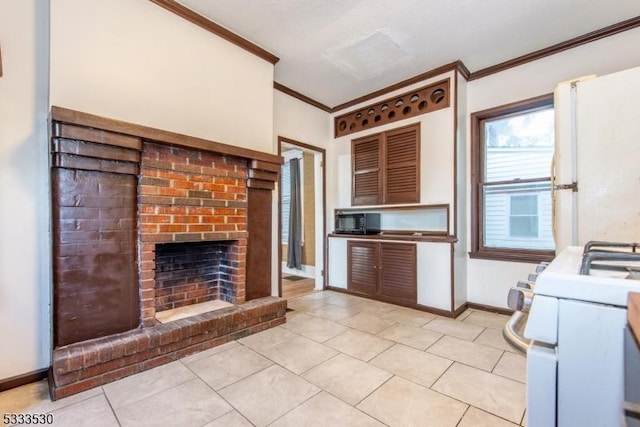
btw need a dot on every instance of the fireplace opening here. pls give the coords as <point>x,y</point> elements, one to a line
<point>189,273</point>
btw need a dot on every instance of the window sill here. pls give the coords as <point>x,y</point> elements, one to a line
<point>513,255</point>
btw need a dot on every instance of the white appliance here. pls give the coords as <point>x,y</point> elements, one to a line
<point>573,333</point>
<point>575,369</point>
<point>598,151</point>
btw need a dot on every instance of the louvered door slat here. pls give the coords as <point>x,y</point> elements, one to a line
<point>362,258</point>
<point>398,271</point>
<point>402,172</point>
<point>367,183</point>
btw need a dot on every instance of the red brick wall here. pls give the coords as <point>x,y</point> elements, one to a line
<point>189,196</point>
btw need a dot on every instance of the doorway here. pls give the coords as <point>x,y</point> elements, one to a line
<point>302,221</point>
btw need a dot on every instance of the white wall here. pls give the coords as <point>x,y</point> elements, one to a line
<point>488,282</point>
<point>304,123</point>
<point>135,61</point>
<point>24,199</point>
<point>123,59</point>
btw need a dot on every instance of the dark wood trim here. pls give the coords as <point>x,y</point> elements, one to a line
<point>458,311</point>
<point>20,380</point>
<point>220,31</point>
<point>416,79</point>
<point>325,266</point>
<point>394,207</point>
<point>463,70</point>
<point>65,115</point>
<point>0,62</point>
<point>282,88</point>
<point>477,250</point>
<point>489,308</point>
<point>559,47</point>
<point>415,306</point>
<point>398,237</point>
<point>512,255</point>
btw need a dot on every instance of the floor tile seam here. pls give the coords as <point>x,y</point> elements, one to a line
<point>356,405</point>
<point>497,361</point>
<point>374,390</point>
<point>159,391</point>
<point>237,381</point>
<point>462,363</point>
<point>463,415</point>
<point>320,390</point>
<point>217,392</point>
<point>455,336</point>
<point>115,414</point>
<point>72,403</point>
<point>508,378</point>
<point>467,403</point>
<point>211,355</point>
<point>304,336</point>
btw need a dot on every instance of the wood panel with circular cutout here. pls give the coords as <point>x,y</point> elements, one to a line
<point>420,101</point>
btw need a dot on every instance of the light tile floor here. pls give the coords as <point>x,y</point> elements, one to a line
<point>338,361</point>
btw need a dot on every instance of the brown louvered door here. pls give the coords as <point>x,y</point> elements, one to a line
<point>398,271</point>
<point>402,168</point>
<point>362,270</point>
<point>367,182</point>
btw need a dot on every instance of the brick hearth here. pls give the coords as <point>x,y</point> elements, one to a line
<point>81,366</point>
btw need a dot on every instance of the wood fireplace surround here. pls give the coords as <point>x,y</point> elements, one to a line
<point>124,194</point>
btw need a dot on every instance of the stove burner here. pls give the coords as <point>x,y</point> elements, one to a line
<point>603,251</point>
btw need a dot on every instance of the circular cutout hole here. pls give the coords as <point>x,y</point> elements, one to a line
<point>391,114</point>
<point>437,96</point>
<point>399,102</point>
<point>371,111</point>
<point>422,105</point>
<point>384,107</point>
<point>377,118</point>
<point>406,110</point>
<point>342,125</point>
<point>365,122</point>
<point>414,97</point>
<point>358,116</point>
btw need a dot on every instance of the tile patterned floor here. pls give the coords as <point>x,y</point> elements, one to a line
<point>338,361</point>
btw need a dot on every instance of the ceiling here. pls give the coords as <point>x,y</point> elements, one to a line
<point>334,51</point>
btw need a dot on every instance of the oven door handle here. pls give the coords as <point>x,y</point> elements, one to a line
<point>512,332</point>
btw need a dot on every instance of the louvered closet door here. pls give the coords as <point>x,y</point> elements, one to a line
<point>402,168</point>
<point>362,270</point>
<point>367,184</point>
<point>398,271</point>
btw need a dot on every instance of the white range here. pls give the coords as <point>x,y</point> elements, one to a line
<point>575,369</point>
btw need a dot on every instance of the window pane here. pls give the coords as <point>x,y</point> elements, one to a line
<point>519,146</point>
<point>524,205</point>
<point>517,216</point>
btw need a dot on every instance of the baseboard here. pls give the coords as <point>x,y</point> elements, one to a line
<point>415,306</point>
<point>490,308</point>
<point>20,380</point>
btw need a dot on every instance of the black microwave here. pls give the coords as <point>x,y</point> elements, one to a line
<point>357,223</point>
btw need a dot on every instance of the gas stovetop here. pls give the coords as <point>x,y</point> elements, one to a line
<point>599,272</point>
<point>612,256</point>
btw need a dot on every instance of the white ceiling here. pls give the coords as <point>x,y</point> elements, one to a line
<point>334,51</point>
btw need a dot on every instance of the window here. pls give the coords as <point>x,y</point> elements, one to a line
<point>285,191</point>
<point>512,148</point>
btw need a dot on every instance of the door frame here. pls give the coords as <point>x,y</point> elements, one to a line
<point>321,266</point>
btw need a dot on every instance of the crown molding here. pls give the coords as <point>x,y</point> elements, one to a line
<point>282,88</point>
<point>559,47</point>
<point>199,20</point>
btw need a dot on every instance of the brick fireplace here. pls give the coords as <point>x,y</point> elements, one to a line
<point>144,221</point>
<point>193,207</point>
